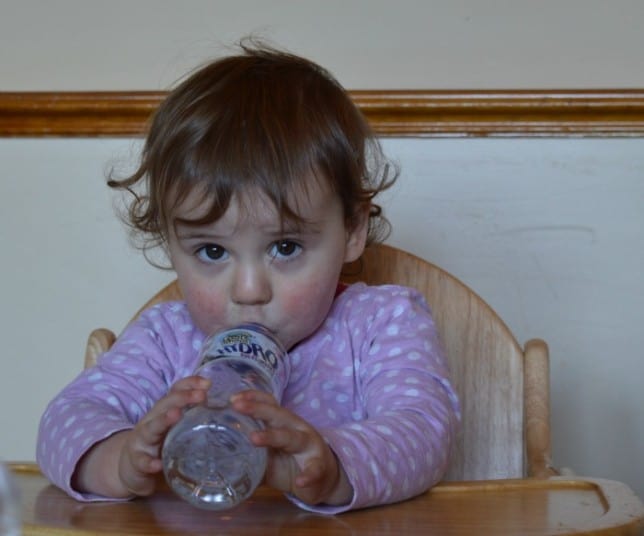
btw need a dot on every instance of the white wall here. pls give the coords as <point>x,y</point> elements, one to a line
<point>549,232</point>
<point>148,44</point>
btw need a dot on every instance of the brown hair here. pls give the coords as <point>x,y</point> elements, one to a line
<point>263,118</point>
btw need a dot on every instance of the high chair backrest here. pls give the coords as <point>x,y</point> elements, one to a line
<point>503,388</point>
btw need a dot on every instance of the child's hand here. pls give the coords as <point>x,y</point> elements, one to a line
<point>140,458</point>
<point>300,461</point>
<point>127,463</point>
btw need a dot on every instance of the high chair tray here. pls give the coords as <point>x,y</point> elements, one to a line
<point>559,505</point>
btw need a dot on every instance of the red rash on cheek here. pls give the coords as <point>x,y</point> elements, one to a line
<point>206,308</point>
<point>306,301</point>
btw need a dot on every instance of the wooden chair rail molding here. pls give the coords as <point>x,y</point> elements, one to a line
<point>417,113</point>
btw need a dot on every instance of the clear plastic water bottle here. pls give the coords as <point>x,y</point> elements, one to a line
<point>208,458</point>
<point>9,504</point>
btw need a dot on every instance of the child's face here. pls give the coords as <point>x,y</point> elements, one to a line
<point>245,267</point>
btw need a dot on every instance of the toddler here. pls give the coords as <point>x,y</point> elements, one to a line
<point>257,180</point>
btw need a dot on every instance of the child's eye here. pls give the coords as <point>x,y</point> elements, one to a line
<point>211,253</point>
<point>285,249</point>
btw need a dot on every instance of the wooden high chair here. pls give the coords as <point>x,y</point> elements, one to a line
<point>503,387</point>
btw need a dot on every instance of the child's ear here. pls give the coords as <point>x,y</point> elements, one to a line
<point>357,234</point>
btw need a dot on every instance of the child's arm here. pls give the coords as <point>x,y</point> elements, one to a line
<point>375,385</point>
<point>301,462</point>
<point>127,463</point>
<point>104,403</point>
<point>405,413</point>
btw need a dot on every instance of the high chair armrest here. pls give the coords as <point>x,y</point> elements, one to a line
<point>537,409</point>
<point>100,340</point>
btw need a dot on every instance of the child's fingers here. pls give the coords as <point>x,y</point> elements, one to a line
<point>191,382</point>
<point>166,412</point>
<point>151,430</point>
<point>252,396</point>
<point>138,475</point>
<point>178,399</point>
<point>264,407</point>
<point>288,440</point>
<point>145,463</point>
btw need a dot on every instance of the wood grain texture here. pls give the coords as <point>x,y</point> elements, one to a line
<point>99,341</point>
<point>487,366</point>
<point>417,113</point>
<point>485,359</point>
<point>528,507</point>
<point>536,385</point>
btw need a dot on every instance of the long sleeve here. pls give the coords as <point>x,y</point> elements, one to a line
<point>112,396</point>
<point>379,392</point>
<point>372,380</point>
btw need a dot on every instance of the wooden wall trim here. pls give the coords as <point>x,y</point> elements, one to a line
<point>418,113</point>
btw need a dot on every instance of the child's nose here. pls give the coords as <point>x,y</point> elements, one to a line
<point>251,285</point>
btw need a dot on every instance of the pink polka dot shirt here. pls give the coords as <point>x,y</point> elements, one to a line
<point>373,380</point>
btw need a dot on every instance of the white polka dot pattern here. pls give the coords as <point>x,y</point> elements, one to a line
<point>145,361</point>
<point>372,380</point>
<point>383,374</point>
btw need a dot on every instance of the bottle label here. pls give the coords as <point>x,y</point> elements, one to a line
<point>253,342</point>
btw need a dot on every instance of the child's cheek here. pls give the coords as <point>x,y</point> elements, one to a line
<point>307,301</point>
<point>207,310</point>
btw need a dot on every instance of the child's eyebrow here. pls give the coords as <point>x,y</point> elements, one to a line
<point>186,231</point>
<point>193,234</point>
<point>298,227</point>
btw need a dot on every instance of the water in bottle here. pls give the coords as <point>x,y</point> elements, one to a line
<point>208,458</point>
